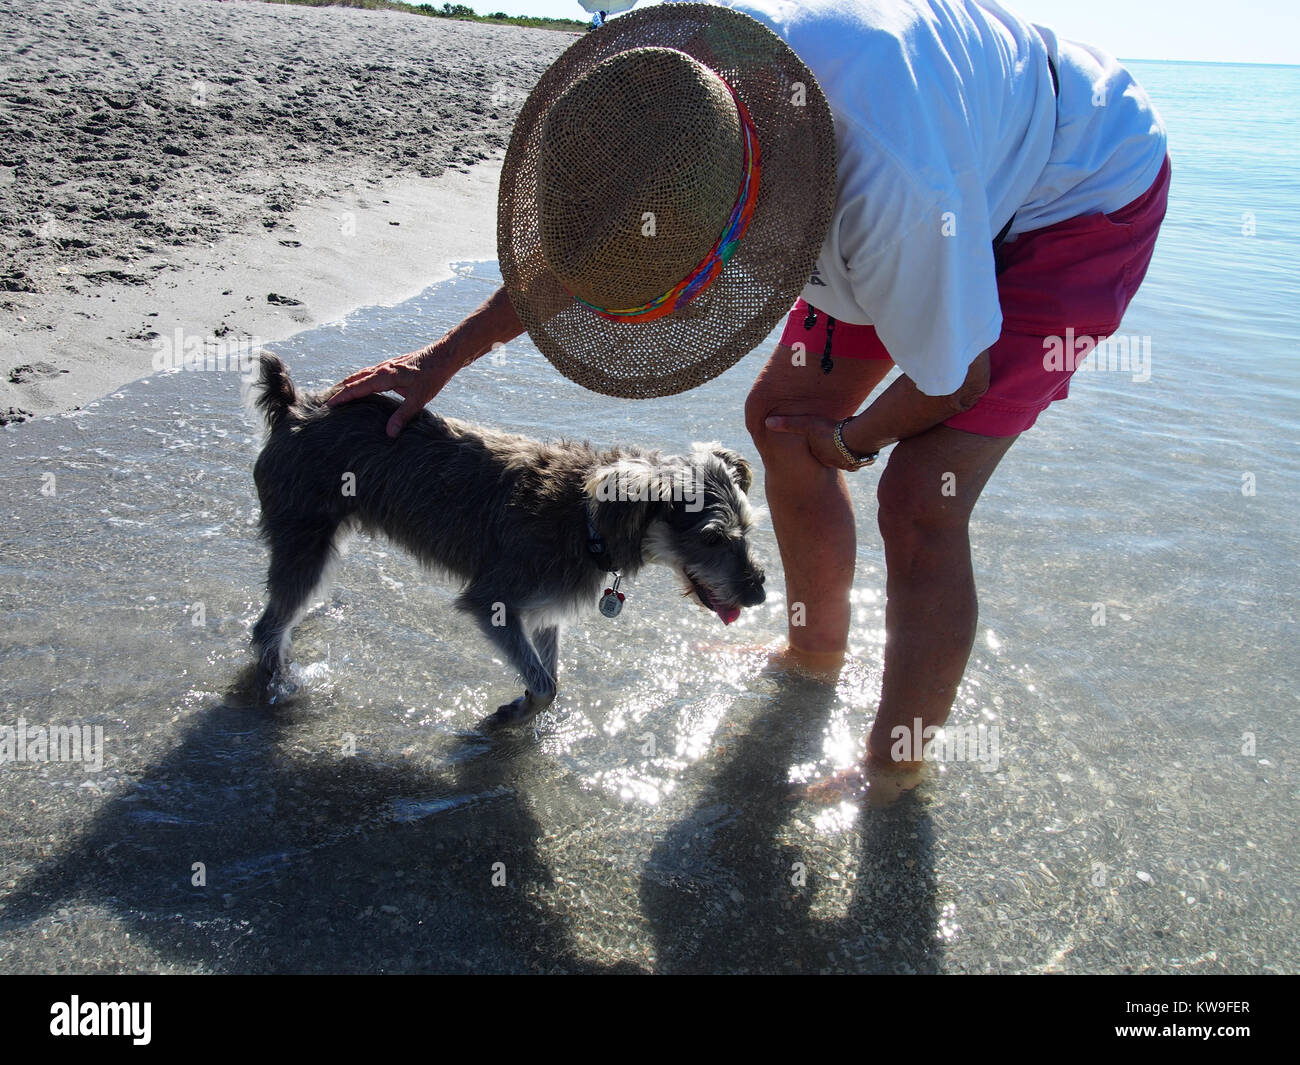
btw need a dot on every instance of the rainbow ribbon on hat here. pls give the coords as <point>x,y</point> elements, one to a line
<point>711,266</point>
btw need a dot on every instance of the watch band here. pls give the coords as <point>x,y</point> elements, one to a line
<point>841,447</point>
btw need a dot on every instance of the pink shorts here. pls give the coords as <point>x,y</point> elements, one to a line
<point>1079,274</point>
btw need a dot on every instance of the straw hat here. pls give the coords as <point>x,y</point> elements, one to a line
<point>666,192</point>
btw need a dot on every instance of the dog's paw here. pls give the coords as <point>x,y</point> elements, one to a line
<point>276,688</point>
<point>517,712</point>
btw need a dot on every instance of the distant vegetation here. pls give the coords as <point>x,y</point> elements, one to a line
<point>456,11</point>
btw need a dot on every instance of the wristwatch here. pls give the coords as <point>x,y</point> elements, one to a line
<point>857,463</point>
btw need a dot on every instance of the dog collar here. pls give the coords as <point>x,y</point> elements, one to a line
<point>596,542</point>
<point>612,601</point>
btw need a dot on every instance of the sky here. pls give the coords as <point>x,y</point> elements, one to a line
<point>1248,31</point>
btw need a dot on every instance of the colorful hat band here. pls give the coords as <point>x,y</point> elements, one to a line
<point>711,266</point>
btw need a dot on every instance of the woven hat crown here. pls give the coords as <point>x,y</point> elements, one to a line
<point>639,166</point>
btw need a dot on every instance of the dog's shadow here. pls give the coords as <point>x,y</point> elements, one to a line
<point>723,893</point>
<point>313,862</point>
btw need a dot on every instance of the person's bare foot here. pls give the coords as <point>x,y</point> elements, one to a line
<point>815,665</point>
<point>780,657</point>
<point>879,783</point>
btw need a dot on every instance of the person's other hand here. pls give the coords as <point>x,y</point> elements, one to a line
<point>819,432</point>
<point>417,377</point>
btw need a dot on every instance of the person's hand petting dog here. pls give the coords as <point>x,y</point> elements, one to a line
<point>417,377</point>
<point>420,375</point>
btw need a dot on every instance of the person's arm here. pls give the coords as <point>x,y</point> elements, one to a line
<point>901,411</point>
<point>421,375</point>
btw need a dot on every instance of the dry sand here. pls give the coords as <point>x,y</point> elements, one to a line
<point>237,171</point>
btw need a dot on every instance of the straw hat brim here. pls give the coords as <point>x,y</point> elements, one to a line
<point>771,266</point>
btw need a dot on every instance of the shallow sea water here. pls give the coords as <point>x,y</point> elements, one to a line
<point>649,822</point>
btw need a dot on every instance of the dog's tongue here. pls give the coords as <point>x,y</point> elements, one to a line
<point>728,614</point>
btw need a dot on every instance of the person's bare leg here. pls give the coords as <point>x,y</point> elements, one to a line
<point>812,515</point>
<point>926,496</point>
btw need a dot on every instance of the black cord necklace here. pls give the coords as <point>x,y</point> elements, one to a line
<point>809,321</point>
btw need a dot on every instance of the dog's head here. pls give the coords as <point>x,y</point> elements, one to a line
<point>691,513</point>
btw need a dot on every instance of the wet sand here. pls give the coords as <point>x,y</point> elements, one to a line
<point>233,171</point>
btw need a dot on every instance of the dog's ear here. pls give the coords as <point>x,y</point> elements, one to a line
<point>629,481</point>
<point>630,493</point>
<point>741,471</point>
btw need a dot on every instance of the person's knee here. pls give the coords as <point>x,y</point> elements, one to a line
<point>776,449</point>
<point>758,405</point>
<point>917,518</point>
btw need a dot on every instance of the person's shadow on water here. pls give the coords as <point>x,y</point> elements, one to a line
<point>723,894</point>
<point>314,863</point>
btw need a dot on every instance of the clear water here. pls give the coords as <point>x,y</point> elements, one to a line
<point>649,823</point>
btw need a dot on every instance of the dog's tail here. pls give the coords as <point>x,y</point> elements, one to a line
<point>271,391</point>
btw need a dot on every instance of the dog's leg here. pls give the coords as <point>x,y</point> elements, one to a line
<point>546,642</point>
<point>299,556</point>
<point>536,661</point>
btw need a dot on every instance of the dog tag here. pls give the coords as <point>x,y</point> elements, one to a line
<point>612,601</point>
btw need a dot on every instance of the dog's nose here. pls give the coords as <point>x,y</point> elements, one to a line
<point>751,592</point>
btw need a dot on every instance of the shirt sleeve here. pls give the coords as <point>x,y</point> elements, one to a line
<point>921,266</point>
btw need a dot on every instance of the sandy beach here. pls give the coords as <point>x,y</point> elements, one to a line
<point>233,171</point>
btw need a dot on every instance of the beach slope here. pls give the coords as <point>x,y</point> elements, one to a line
<point>174,170</point>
